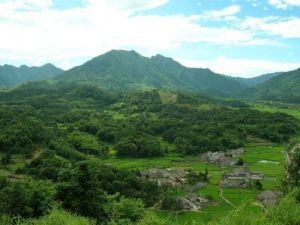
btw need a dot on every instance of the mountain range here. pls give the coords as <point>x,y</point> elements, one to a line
<point>123,70</point>
<point>254,81</point>
<point>11,76</point>
<point>128,70</point>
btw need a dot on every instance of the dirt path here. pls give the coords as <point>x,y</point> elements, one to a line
<point>225,199</point>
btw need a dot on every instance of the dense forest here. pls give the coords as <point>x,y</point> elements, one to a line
<point>66,132</point>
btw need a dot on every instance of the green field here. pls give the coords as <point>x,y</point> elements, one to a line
<point>273,170</point>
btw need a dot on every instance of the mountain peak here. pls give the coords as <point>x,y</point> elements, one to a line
<point>123,70</point>
<point>122,52</point>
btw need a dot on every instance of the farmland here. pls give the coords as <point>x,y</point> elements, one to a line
<point>255,156</point>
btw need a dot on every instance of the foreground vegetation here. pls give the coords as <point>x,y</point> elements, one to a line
<point>73,154</point>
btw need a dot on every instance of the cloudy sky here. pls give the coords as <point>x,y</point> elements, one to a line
<point>234,37</point>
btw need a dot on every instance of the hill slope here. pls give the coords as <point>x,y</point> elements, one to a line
<point>129,70</point>
<point>254,81</point>
<point>285,87</point>
<point>11,76</point>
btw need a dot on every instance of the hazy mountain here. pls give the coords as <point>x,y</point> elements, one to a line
<point>11,76</point>
<point>129,70</point>
<point>285,87</point>
<point>254,81</point>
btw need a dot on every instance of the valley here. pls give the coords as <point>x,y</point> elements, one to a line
<point>151,152</point>
<point>149,112</point>
<point>115,117</point>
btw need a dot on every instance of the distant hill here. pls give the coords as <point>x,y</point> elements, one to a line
<point>285,87</point>
<point>123,70</point>
<point>254,81</point>
<point>11,76</point>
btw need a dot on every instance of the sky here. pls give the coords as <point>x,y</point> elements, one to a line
<point>243,38</point>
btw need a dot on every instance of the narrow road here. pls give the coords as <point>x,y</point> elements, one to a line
<point>225,199</point>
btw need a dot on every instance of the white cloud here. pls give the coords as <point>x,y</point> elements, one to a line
<point>283,27</point>
<point>241,67</point>
<point>284,4</point>
<point>60,36</point>
<point>25,4</point>
<point>229,11</point>
<point>130,6</point>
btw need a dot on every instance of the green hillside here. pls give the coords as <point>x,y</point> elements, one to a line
<point>285,88</point>
<point>11,76</point>
<point>254,81</point>
<point>128,70</point>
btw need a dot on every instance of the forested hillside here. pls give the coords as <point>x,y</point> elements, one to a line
<point>284,88</point>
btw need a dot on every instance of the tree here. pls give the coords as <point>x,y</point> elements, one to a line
<point>81,192</point>
<point>120,209</point>
<point>6,158</point>
<point>28,198</point>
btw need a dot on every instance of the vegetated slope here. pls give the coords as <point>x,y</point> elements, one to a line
<point>11,76</point>
<point>129,70</point>
<point>254,81</point>
<point>285,87</point>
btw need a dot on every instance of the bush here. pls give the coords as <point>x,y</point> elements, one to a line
<point>28,198</point>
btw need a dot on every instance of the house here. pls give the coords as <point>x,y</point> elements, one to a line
<point>191,202</point>
<point>240,178</point>
<point>172,177</point>
<point>268,198</point>
<point>235,153</point>
<point>228,158</point>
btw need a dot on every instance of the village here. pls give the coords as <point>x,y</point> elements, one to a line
<point>239,177</point>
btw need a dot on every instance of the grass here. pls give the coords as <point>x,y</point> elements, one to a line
<point>292,110</point>
<point>240,196</point>
<point>273,172</point>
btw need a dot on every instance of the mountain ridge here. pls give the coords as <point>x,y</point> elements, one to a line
<point>11,76</point>
<point>119,69</point>
<point>284,87</point>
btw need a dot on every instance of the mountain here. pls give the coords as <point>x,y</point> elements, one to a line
<point>254,81</point>
<point>285,87</point>
<point>123,70</point>
<point>11,76</point>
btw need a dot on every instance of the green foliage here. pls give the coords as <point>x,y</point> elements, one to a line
<point>258,185</point>
<point>47,166</point>
<point>87,144</point>
<point>194,177</point>
<point>293,169</point>
<point>139,147</point>
<point>6,158</point>
<point>57,127</point>
<point>122,210</point>
<point>60,217</point>
<point>28,198</point>
<point>55,217</point>
<point>82,193</point>
<point>287,212</point>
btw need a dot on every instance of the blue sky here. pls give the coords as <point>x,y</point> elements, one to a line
<point>234,37</point>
